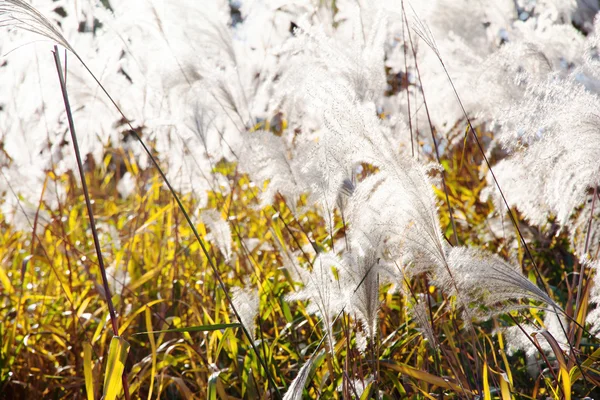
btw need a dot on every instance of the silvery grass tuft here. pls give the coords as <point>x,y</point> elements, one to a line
<point>420,313</point>
<point>323,291</point>
<point>593,317</point>
<point>17,14</point>
<point>220,231</point>
<point>246,302</point>
<point>486,284</point>
<point>295,390</point>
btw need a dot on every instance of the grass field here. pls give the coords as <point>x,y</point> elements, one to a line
<point>338,257</point>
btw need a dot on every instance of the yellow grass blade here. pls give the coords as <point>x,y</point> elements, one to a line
<point>423,376</point>
<point>153,348</point>
<point>117,355</point>
<point>212,386</point>
<point>504,387</point>
<point>87,370</point>
<point>565,377</point>
<point>5,281</point>
<point>486,384</point>
<point>133,315</point>
<point>576,372</point>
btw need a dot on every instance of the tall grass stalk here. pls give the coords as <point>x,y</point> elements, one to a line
<point>88,204</point>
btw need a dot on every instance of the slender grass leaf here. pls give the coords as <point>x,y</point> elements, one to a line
<point>5,280</point>
<point>423,376</point>
<point>87,370</point>
<point>153,348</point>
<point>504,387</point>
<point>199,328</point>
<point>487,395</point>
<point>564,371</point>
<point>212,386</point>
<point>117,355</point>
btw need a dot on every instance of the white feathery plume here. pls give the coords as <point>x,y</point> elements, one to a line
<point>296,388</point>
<point>420,314</point>
<point>486,285</point>
<point>118,278</point>
<point>246,302</point>
<point>220,231</point>
<point>359,63</point>
<point>322,290</point>
<point>553,132</point>
<point>21,15</point>
<point>268,158</point>
<point>360,281</point>
<point>584,233</point>
<point>126,185</point>
<point>517,340</point>
<point>394,210</point>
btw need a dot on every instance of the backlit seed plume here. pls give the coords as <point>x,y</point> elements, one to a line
<point>21,15</point>
<point>395,211</point>
<point>268,158</point>
<point>295,390</point>
<point>118,278</point>
<point>246,301</point>
<point>593,317</point>
<point>220,231</point>
<point>486,284</point>
<point>322,290</point>
<point>420,314</point>
<point>517,340</point>
<point>360,279</point>
<point>552,135</point>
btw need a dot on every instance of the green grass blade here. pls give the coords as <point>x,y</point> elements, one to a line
<point>198,328</point>
<point>212,386</point>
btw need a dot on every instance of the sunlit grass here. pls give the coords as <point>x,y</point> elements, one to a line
<point>56,306</point>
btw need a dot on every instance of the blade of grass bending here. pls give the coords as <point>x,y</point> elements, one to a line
<point>199,328</point>
<point>562,364</point>
<point>148,318</point>
<point>487,395</point>
<point>422,376</point>
<point>111,309</point>
<point>212,386</point>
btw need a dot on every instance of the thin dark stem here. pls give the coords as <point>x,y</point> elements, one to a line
<point>412,144</point>
<point>88,203</point>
